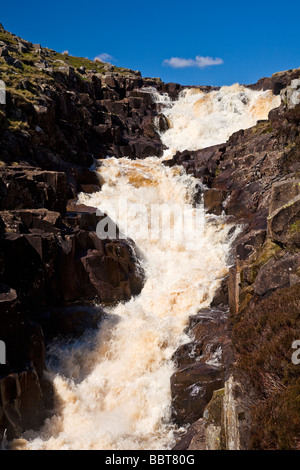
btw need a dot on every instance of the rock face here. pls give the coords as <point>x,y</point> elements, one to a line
<point>291,94</point>
<point>200,365</point>
<point>63,264</point>
<point>32,188</point>
<point>253,177</point>
<point>21,402</point>
<point>192,387</point>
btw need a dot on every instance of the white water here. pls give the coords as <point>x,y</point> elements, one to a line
<point>198,120</point>
<point>113,388</point>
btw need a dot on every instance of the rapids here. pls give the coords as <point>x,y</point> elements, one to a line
<point>198,120</point>
<point>112,387</point>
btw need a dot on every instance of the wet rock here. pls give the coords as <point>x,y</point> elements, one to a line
<point>249,243</point>
<point>192,387</point>
<point>143,147</point>
<point>210,353</point>
<point>162,123</point>
<point>21,402</point>
<point>90,188</point>
<point>82,216</point>
<point>65,262</point>
<point>23,338</point>
<point>213,199</point>
<point>221,294</point>
<point>194,439</point>
<point>32,406</point>
<point>173,89</point>
<point>30,221</point>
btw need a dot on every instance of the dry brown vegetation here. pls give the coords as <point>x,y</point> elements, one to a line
<point>263,340</point>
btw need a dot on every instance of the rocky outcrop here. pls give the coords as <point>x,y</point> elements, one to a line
<point>21,403</point>
<point>62,264</point>
<point>277,82</point>
<point>291,94</point>
<point>192,387</point>
<point>28,188</point>
<point>200,365</point>
<point>62,112</point>
<point>74,112</point>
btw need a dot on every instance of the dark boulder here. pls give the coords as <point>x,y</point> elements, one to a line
<point>192,388</point>
<point>23,338</point>
<point>32,188</point>
<point>200,364</point>
<point>21,402</point>
<point>213,199</point>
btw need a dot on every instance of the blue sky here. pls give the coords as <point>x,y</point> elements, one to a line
<point>234,41</point>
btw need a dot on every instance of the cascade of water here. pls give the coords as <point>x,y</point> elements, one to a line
<point>113,388</point>
<point>198,120</point>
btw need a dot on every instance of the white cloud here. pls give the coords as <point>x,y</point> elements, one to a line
<point>199,61</point>
<point>104,57</point>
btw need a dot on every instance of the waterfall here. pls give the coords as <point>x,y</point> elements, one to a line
<point>198,120</point>
<point>112,387</point>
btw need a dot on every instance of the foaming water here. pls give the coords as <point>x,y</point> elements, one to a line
<point>113,389</point>
<point>198,120</point>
